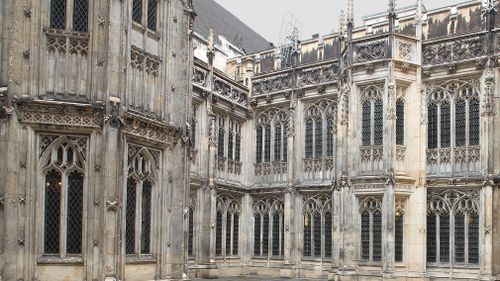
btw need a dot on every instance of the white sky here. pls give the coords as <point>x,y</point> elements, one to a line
<point>316,16</point>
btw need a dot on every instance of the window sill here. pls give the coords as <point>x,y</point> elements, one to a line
<point>370,263</point>
<point>140,259</point>
<point>146,31</point>
<point>74,260</point>
<point>455,266</point>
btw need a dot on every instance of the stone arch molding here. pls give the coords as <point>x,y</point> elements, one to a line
<point>318,204</point>
<point>322,107</point>
<point>453,201</point>
<point>272,115</point>
<point>268,205</point>
<point>143,163</point>
<point>453,90</point>
<point>228,203</point>
<point>62,153</point>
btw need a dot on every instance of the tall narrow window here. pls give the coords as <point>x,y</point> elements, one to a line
<point>229,223</point>
<point>398,237</point>
<point>378,123</point>
<point>139,200</point>
<point>444,238</point>
<point>130,217</point>
<point>267,144</point>
<point>220,139</point>
<point>80,15</point>
<point>236,233</point>
<point>328,234</point>
<point>58,14</point>
<point>146,218</point>
<point>474,122</point>
<point>258,156</point>
<point>431,238</point>
<point>445,124</point>
<point>459,238</point>
<point>230,143</point>
<point>257,235</point>
<point>268,228</point>
<point>317,227</point>
<point>329,136</point>
<point>318,137</point>
<point>52,212</point>
<point>276,234</point>
<point>307,251</point>
<point>277,142</point>
<point>152,7</point>
<point>309,138</point>
<point>63,190</point>
<point>265,235</point>
<point>75,213</point>
<point>460,126</point>
<point>190,231</point>
<point>371,230</point>
<point>432,127</point>
<point>400,122</point>
<point>285,143</point>
<point>237,148</point>
<point>137,11</point>
<point>218,234</point>
<point>366,123</point>
<point>473,237</point>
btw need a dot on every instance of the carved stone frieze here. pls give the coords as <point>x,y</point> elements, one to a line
<point>273,84</point>
<point>144,61</point>
<point>454,50</point>
<point>230,92</point>
<point>60,115</point>
<point>262,169</point>
<point>221,163</point>
<point>369,51</point>
<point>400,153</point>
<point>432,156</point>
<point>321,74</point>
<point>199,77</point>
<point>155,132</point>
<point>489,94</point>
<point>313,165</point>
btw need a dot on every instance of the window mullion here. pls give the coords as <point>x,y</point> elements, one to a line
<point>69,15</point>
<point>138,217</point>
<point>371,237</point>
<point>231,252</point>
<point>438,238</point>
<point>372,123</point>
<point>466,238</point>
<point>144,19</point>
<point>63,214</point>
<point>451,231</point>
<point>261,253</point>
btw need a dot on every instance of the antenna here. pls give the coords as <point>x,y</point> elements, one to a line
<point>288,42</point>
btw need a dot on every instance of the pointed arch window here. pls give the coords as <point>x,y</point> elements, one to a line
<point>271,137</point>
<point>317,231</point>
<point>227,226</point>
<point>139,200</point>
<point>63,188</point>
<point>269,228</point>
<point>320,129</point>
<point>453,216</point>
<point>76,21</point>
<point>371,229</point>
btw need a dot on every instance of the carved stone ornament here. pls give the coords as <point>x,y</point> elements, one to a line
<point>112,204</point>
<point>316,75</point>
<point>456,50</point>
<point>5,110</point>
<point>2,200</point>
<point>114,117</point>
<point>60,115</point>
<point>274,84</point>
<point>489,94</point>
<point>488,180</point>
<point>390,177</point>
<point>369,51</point>
<point>152,130</point>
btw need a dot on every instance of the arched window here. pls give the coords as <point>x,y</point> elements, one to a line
<point>445,124</point>
<point>474,121</point>
<point>271,138</point>
<point>318,220</point>
<point>399,230</point>
<point>453,216</point>
<point>258,142</point>
<point>371,229</point>
<point>460,125</point>
<point>227,226</point>
<point>278,136</point>
<point>269,227</point>
<point>320,125</point>
<point>139,195</point>
<point>372,119</point>
<point>78,17</point>
<point>63,176</point>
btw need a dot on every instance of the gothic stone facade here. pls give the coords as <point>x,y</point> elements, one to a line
<point>95,164</point>
<point>373,155</point>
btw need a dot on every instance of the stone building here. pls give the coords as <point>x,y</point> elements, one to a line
<point>93,139</point>
<point>367,154</point>
<point>166,140</point>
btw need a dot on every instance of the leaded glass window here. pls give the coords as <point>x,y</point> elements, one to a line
<point>307,251</point>
<point>366,123</point>
<point>139,200</point>
<point>236,233</point>
<point>130,217</point>
<point>190,231</point>
<point>237,149</point>
<point>474,122</point>
<point>218,234</point>
<point>267,144</point>
<point>75,212</point>
<point>277,142</point>
<point>62,195</point>
<point>229,218</point>
<point>445,124</point>
<point>152,7</point>
<point>378,123</point>
<point>432,126</point>
<point>398,237</point>
<point>146,218</point>
<point>285,143</point>
<point>453,227</point>
<point>400,122</point>
<point>329,136</point>
<point>318,137</point>
<point>230,143</point>
<point>460,126</point>
<point>137,11</point>
<point>268,227</point>
<point>258,156</point>
<point>317,231</point>
<point>220,139</point>
<point>58,14</point>
<point>371,229</point>
<point>80,15</point>
<point>309,138</point>
<point>52,212</point>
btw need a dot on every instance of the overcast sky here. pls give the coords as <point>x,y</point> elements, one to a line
<point>316,16</point>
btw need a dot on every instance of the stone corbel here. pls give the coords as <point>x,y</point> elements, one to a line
<point>390,178</point>
<point>112,204</point>
<point>5,109</point>
<point>487,229</point>
<point>488,180</point>
<point>114,117</point>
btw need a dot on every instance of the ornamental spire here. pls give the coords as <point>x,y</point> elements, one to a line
<point>350,12</point>
<point>342,23</point>
<point>420,11</point>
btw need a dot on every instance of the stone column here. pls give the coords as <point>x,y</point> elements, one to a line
<point>246,233</point>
